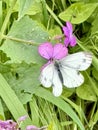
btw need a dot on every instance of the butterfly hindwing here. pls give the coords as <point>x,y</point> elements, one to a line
<point>57,83</point>
<point>50,77</point>
<point>47,75</point>
<point>71,77</point>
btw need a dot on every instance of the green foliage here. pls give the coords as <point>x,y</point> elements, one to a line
<point>60,103</point>
<point>86,93</point>
<point>24,5</point>
<point>25,24</point>
<point>26,29</point>
<point>78,12</point>
<point>11,100</point>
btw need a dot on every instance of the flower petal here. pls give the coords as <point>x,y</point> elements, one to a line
<point>66,41</point>
<point>73,41</point>
<point>69,26</point>
<point>60,51</point>
<point>32,127</point>
<point>46,50</point>
<point>66,31</point>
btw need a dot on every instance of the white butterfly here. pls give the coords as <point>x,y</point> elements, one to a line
<point>66,72</point>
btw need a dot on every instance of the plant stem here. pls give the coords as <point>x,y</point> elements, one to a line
<point>0,14</point>
<point>53,15</point>
<point>5,23</point>
<point>18,40</point>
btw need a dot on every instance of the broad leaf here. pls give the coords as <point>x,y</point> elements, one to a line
<point>24,79</point>
<point>24,6</point>
<point>28,30</point>
<point>78,12</point>
<point>85,92</point>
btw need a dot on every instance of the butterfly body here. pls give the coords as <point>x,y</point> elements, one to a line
<point>57,67</point>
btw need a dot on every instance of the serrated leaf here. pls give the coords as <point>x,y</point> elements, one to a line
<point>28,30</point>
<point>78,12</point>
<point>85,92</point>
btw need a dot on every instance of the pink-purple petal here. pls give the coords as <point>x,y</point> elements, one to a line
<point>69,26</point>
<point>60,51</point>
<point>22,118</point>
<point>66,31</point>
<point>66,41</point>
<point>31,127</point>
<point>73,41</point>
<point>46,50</point>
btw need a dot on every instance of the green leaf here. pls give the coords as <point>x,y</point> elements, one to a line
<point>78,12</point>
<point>34,108</point>
<point>28,30</point>
<point>1,14</point>
<point>95,73</point>
<point>24,79</point>
<point>94,28</point>
<point>41,92</point>
<point>85,92</point>
<point>24,6</point>
<point>2,116</point>
<point>67,92</point>
<point>3,57</point>
<point>12,102</point>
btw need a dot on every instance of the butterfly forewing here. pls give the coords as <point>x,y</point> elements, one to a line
<point>79,61</point>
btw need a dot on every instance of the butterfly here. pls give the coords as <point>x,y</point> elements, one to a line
<point>65,71</point>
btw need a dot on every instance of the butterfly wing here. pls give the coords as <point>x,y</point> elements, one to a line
<point>70,67</point>
<point>71,77</point>
<point>79,61</point>
<point>47,75</point>
<point>56,83</point>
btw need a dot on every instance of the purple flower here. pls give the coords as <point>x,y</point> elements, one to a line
<point>68,32</point>
<point>50,52</point>
<point>8,125</point>
<point>22,118</point>
<point>32,127</point>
